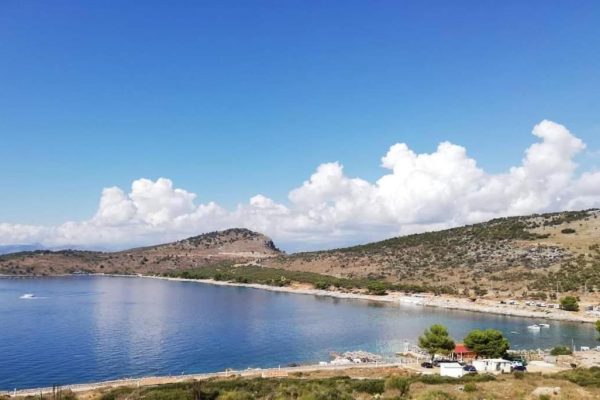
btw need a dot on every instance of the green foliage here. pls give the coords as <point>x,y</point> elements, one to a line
<point>437,395</point>
<point>322,285</point>
<point>561,351</point>
<point>470,387</point>
<point>282,277</point>
<point>377,288</point>
<point>398,383</point>
<point>337,388</point>
<point>582,376</point>
<point>441,380</point>
<point>569,303</point>
<point>371,386</point>
<point>598,329</point>
<point>487,343</point>
<point>235,395</point>
<point>436,340</point>
<point>544,397</point>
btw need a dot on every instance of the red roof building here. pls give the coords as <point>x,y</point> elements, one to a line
<point>463,353</point>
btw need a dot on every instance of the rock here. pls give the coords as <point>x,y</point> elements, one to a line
<point>546,390</point>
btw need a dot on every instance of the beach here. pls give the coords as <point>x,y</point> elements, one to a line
<point>490,306</point>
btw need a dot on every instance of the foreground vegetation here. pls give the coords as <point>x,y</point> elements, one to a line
<point>574,384</point>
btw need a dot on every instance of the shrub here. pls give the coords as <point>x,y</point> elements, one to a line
<point>399,383</point>
<point>371,386</point>
<point>470,387</point>
<point>322,285</point>
<point>582,376</point>
<point>377,288</point>
<point>569,303</point>
<point>437,395</point>
<point>236,396</point>
<point>568,231</point>
<point>561,351</point>
<point>519,375</point>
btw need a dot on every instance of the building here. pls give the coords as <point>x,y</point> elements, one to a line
<point>493,365</point>
<point>453,370</point>
<point>463,353</point>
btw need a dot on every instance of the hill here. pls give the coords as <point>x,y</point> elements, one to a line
<point>538,254</point>
<point>232,245</point>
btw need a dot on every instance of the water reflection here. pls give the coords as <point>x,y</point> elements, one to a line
<point>94,328</point>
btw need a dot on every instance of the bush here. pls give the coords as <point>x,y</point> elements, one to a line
<point>561,351</point>
<point>519,375</point>
<point>437,395</point>
<point>236,396</point>
<point>569,303</point>
<point>399,383</point>
<point>568,231</point>
<point>371,386</point>
<point>377,288</point>
<point>470,387</point>
<point>322,285</point>
<point>582,376</point>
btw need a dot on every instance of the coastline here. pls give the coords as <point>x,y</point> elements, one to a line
<point>425,300</point>
<point>486,306</point>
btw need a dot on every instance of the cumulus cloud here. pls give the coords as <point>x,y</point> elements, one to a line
<point>418,192</point>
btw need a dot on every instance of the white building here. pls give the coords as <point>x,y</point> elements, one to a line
<point>453,370</point>
<point>492,365</point>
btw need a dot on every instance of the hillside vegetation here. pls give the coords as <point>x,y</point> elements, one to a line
<point>506,254</point>
<point>541,254</point>
<point>236,245</point>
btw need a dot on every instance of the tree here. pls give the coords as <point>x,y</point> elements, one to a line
<point>569,303</point>
<point>487,343</point>
<point>436,340</point>
<point>561,351</point>
<point>377,288</point>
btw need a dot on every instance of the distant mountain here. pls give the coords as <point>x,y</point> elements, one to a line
<point>16,248</point>
<point>536,253</point>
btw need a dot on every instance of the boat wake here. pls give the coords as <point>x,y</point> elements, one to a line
<point>30,296</point>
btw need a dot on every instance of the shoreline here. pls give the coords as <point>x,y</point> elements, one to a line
<point>485,306</point>
<point>425,300</point>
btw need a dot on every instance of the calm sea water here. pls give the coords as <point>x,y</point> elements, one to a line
<point>84,329</point>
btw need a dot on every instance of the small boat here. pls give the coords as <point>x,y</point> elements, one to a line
<point>534,327</point>
<point>27,296</point>
<point>544,325</point>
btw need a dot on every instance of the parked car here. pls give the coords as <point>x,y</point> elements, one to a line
<point>470,369</point>
<point>520,368</point>
<point>427,364</point>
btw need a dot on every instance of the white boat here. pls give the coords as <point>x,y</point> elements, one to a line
<point>27,296</point>
<point>534,327</point>
<point>544,325</point>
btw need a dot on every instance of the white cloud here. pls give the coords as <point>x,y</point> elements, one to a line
<point>419,192</point>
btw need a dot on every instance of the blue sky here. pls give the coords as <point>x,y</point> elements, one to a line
<point>229,99</point>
